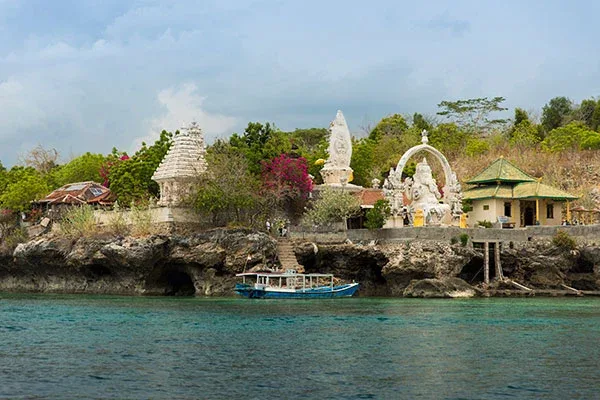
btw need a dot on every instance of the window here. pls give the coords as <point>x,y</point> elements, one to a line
<point>486,207</point>
<point>96,191</point>
<point>550,211</point>
<point>507,209</point>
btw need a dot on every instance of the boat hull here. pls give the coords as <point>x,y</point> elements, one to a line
<point>325,292</point>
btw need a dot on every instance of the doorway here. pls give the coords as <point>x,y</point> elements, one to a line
<point>527,213</point>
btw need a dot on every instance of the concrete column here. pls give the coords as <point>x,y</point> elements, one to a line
<point>499,274</point>
<point>486,263</point>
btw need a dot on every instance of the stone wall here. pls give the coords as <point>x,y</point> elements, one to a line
<point>588,232</point>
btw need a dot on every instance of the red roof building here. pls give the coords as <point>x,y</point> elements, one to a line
<point>77,194</point>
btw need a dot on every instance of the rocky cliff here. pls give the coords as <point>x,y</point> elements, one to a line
<point>205,264</point>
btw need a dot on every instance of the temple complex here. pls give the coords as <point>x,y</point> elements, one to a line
<point>181,166</point>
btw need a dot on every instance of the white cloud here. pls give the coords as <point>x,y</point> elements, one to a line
<point>181,106</point>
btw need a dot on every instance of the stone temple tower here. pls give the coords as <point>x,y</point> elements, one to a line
<point>181,166</point>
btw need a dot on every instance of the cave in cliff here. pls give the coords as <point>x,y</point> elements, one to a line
<point>170,282</point>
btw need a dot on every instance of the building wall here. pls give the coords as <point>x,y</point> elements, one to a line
<point>479,214</point>
<point>558,210</point>
<point>496,209</point>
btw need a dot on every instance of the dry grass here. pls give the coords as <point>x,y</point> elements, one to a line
<point>577,172</point>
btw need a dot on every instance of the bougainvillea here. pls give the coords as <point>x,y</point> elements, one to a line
<point>285,177</point>
<point>105,168</point>
<point>286,184</point>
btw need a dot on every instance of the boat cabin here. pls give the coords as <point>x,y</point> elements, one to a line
<point>288,280</point>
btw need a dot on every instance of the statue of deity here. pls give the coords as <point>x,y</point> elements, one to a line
<point>424,195</point>
<point>337,167</point>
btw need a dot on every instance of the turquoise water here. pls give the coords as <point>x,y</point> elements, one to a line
<point>79,347</point>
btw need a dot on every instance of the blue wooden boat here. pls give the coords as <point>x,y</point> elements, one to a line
<point>291,285</point>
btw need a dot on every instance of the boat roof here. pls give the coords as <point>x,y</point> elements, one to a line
<point>281,274</point>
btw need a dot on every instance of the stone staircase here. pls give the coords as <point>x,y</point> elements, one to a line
<point>285,253</point>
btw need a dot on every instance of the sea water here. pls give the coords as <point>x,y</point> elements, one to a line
<point>80,347</point>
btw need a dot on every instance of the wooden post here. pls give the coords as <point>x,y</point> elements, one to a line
<point>486,263</point>
<point>568,212</point>
<point>499,274</point>
<point>537,211</point>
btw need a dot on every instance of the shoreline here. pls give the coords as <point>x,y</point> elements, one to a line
<point>205,264</point>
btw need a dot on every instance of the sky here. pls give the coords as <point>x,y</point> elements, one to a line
<point>90,75</point>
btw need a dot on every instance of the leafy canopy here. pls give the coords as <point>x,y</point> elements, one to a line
<point>131,179</point>
<point>378,215</point>
<point>474,114</point>
<point>332,206</point>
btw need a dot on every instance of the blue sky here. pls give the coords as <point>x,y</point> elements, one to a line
<point>83,75</point>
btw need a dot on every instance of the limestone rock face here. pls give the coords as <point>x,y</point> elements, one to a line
<point>203,264</point>
<point>423,260</point>
<point>439,287</point>
<point>206,263</point>
<point>349,262</point>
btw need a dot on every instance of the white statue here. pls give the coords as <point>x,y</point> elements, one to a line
<point>337,167</point>
<point>392,191</point>
<point>453,195</point>
<point>424,195</point>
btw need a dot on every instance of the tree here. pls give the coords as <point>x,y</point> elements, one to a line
<point>575,135</point>
<point>555,112</point>
<point>449,138</point>
<point>392,125</point>
<point>131,179</point>
<point>524,134</point>
<point>332,206</point>
<point>80,169</point>
<point>520,116</point>
<point>258,143</point>
<point>595,122</point>
<point>473,115</point>
<point>362,161</point>
<point>227,191</point>
<point>585,112</point>
<point>43,160</point>
<point>421,123</point>
<point>22,186</point>
<point>377,215</point>
<point>310,140</point>
<point>285,180</point>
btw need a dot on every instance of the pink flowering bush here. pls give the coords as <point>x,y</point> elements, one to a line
<point>285,180</point>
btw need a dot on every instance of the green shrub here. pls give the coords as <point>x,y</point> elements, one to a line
<point>141,221</point>
<point>117,222</point>
<point>79,222</point>
<point>453,240</point>
<point>564,241</point>
<point>14,237</point>
<point>464,239</point>
<point>485,223</point>
<point>377,215</point>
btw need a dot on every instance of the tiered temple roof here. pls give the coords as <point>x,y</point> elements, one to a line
<point>501,170</point>
<point>504,180</point>
<point>185,158</point>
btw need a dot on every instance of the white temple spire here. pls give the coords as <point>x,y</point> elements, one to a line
<point>182,164</point>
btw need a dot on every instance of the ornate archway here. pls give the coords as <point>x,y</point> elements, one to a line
<point>394,187</point>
